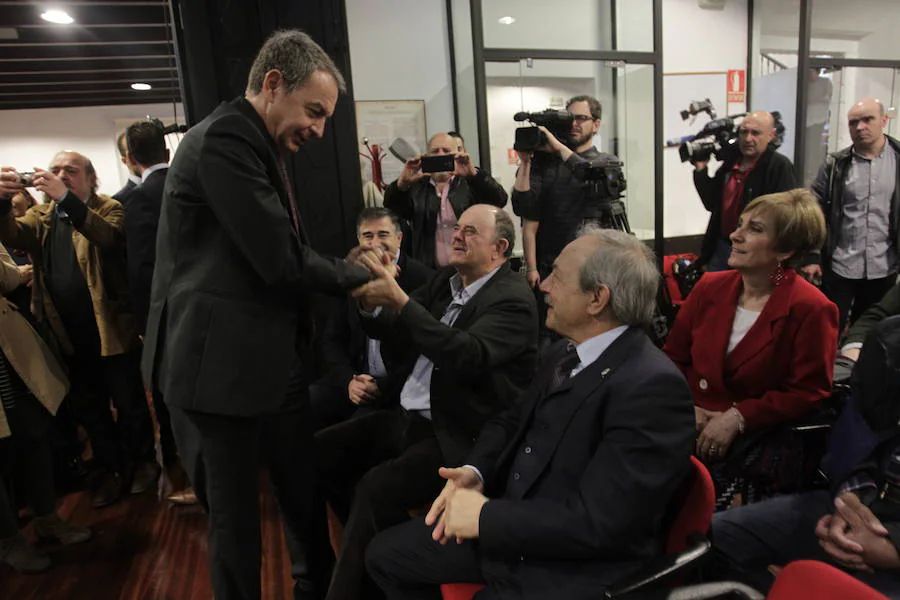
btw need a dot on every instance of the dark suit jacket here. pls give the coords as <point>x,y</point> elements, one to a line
<point>481,363</point>
<point>344,348</point>
<point>596,463</point>
<point>122,194</point>
<point>782,367</point>
<point>141,223</point>
<point>228,304</point>
<point>888,306</point>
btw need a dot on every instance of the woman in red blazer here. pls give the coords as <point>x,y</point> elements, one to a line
<point>757,344</point>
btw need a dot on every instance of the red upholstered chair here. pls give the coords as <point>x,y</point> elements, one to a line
<point>800,580</point>
<point>459,591</point>
<point>814,579</point>
<point>689,520</point>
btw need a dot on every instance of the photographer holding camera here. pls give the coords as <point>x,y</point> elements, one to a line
<point>754,169</point>
<point>431,195</point>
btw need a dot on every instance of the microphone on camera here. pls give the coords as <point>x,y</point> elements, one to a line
<point>521,116</point>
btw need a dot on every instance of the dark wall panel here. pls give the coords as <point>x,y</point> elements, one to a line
<point>216,43</point>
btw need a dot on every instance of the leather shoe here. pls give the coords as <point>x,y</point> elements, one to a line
<point>185,497</point>
<point>107,490</point>
<point>22,556</point>
<point>52,527</point>
<point>144,476</point>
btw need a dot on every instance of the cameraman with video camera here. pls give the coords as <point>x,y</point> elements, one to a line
<point>753,169</point>
<point>432,194</point>
<point>550,193</point>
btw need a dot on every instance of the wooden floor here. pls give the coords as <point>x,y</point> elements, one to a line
<point>142,549</point>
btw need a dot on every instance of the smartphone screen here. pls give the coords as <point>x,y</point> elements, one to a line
<point>441,163</point>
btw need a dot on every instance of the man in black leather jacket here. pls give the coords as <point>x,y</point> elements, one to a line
<point>432,202</point>
<point>754,169</point>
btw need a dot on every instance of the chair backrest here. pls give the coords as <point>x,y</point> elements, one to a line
<point>814,579</point>
<point>692,507</point>
<point>459,591</point>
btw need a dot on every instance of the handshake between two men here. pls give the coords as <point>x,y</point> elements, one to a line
<point>383,290</point>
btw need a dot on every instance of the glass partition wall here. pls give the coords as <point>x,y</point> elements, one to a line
<point>814,63</point>
<point>529,56</point>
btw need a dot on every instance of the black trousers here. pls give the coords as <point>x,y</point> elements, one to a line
<point>855,294</point>
<point>407,564</point>
<point>119,444</point>
<point>222,456</point>
<point>374,469</point>
<point>168,447</point>
<point>330,405</point>
<point>26,453</point>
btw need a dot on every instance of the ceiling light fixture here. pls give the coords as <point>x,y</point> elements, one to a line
<point>60,17</point>
<point>506,20</point>
<point>141,87</point>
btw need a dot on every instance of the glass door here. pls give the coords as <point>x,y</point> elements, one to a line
<point>626,94</point>
<point>830,94</point>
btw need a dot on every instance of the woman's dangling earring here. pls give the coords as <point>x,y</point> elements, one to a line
<point>777,276</point>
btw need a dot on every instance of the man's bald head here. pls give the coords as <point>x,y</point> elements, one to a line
<point>870,105</point>
<point>442,143</point>
<point>866,121</point>
<point>764,117</point>
<point>756,132</point>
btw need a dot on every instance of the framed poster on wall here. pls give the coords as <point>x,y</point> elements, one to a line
<point>386,122</point>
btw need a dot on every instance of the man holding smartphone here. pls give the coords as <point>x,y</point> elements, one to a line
<point>433,191</point>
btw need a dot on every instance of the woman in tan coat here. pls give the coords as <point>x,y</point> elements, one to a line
<point>32,386</point>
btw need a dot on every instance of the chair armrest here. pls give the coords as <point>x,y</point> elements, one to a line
<point>809,427</point>
<point>658,569</point>
<point>717,589</point>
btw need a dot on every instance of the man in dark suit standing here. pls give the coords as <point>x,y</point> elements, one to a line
<point>355,365</point>
<point>565,492</point>
<point>147,152</point>
<point>464,347</point>
<point>133,177</point>
<point>229,316</point>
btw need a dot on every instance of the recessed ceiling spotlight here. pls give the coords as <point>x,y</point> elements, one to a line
<point>506,20</point>
<point>141,87</point>
<point>60,17</point>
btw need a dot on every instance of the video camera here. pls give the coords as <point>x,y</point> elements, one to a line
<point>718,137</point>
<point>604,176</point>
<point>604,182</point>
<point>529,139</point>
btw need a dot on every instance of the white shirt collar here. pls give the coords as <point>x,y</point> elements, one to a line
<point>135,179</point>
<point>150,170</point>
<point>591,349</point>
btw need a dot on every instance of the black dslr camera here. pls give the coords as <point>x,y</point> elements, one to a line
<point>529,139</point>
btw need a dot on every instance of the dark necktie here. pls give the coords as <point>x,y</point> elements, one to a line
<point>564,367</point>
<point>292,203</point>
